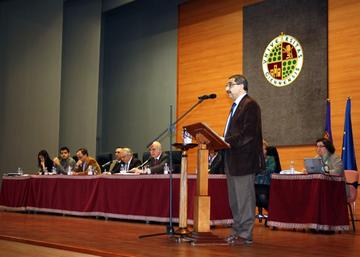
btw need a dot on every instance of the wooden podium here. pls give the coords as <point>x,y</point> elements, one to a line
<point>206,139</point>
<point>183,227</point>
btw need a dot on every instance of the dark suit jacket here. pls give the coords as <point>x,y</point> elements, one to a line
<point>217,165</point>
<point>114,166</point>
<point>244,134</point>
<point>133,163</point>
<point>157,167</point>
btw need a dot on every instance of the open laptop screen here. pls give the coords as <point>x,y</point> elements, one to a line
<point>313,165</point>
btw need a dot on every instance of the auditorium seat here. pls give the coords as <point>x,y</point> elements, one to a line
<point>103,158</point>
<point>352,181</point>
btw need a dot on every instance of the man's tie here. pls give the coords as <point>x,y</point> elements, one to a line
<point>230,117</point>
<point>156,161</point>
<point>231,110</point>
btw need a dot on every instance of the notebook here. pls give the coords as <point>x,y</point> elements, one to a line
<point>313,165</point>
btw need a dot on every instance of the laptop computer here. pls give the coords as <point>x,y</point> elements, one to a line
<point>313,165</point>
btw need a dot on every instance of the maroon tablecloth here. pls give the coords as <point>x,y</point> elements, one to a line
<point>144,197</point>
<point>314,201</point>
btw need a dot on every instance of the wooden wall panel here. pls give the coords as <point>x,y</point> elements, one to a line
<point>210,49</point>
<point>344,66</point>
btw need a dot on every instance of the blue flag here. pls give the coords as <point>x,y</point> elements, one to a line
<point>327,132</point>
<point>348,151</point>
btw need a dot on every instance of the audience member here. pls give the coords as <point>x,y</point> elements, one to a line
<point>128,160</point>
<point>216,162</point>
<point>264,177</point>
<point>326,151</point>
<point>45,163</point>
<point>64,161</point>
<point>86,163</point>
<point>158,158</point>
<point>115,164</point>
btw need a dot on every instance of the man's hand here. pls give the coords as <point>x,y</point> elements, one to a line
<point>56,161</point>
<point>136,170</point>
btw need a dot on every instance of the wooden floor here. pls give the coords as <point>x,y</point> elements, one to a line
<point>15,249</point>
<point>120,238</point>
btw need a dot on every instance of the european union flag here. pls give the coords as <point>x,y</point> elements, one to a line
<point>327,132</point>
<point>348,152</point>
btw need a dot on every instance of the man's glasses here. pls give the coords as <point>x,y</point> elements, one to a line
<point>230,84</point>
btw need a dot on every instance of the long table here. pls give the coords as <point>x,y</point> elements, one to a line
<point>314,201</point>
<point>134,197</point>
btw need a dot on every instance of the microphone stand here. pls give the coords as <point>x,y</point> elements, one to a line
<point>169,228</point>
<point>172,124</point>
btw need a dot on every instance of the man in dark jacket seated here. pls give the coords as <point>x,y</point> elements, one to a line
<point>216,162</point>
<point>128,161</point>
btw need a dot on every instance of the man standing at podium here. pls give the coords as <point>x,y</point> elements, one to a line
<point>244,158</point>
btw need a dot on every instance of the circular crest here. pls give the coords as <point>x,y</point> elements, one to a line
<point>282,60</point>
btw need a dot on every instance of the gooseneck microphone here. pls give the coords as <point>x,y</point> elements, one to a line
<point>106,164</point>
<point>204,97</point>
<point>142,165</point>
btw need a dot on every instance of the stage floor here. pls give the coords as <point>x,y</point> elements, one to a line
<point>120,238</point>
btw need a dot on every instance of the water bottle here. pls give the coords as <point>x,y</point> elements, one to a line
<point>69,172</point>
<point>292,167</point>
<point>147,170</point>
<point>46,171</point>
<point>122,168</point>
<point>19,171</point>
<point>53,170</point>
<point>166,169</point>
<point>187,139</point>
<point>90,171</point>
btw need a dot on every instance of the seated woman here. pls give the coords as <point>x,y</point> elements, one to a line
<point>264,177</point>
<point>45,163</point>
<point>326,151</point>
<point>262,184</point>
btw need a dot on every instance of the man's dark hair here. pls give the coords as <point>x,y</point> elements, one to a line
<point>83,151</point>
<point>240,79</point>
<point>328,144</point>
<point>64,148</point>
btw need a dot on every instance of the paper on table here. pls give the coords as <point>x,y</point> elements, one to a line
<point>290,172</point>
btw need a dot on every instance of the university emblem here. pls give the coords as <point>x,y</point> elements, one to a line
<point>282,60</point>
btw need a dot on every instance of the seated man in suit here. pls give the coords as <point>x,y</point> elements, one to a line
<point>216,162</point>
<point>115,164</point>
<point>158,158</point>
<point>86,163</point>
<point>156,161</point>
<point>128,160</point>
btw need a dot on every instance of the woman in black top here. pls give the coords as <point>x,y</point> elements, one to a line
<point>44,162</point>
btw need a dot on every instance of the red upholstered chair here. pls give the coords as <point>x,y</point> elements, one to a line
<point>352,181</point>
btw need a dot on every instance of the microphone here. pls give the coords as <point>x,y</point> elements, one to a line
<point>106,164</point>
<point>142,165</point>
<point>204,97</point>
